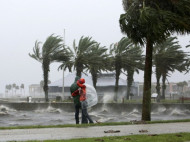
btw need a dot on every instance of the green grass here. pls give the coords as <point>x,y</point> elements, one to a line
<point>175,101</point>
<point>178,137</point>
<point>96,124</point>
<point>133,101</point>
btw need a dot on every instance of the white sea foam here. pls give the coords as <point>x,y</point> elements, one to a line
<point>159,111</point>
<point>107,98</point>
<point>49,109</point>
<point>6,109</point>
<point>178,112</point>
<point>105,119</point>
<point>135,113</point>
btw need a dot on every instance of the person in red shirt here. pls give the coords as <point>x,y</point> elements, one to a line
<point>83,101</point>
<point>74,89</point>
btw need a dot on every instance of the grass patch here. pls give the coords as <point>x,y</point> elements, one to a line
<point>175,101</point>
<point>96,124</point>
<point>168,121</point>
<point>177,137</point>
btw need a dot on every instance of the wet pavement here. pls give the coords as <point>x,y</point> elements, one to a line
<point>94,131</point>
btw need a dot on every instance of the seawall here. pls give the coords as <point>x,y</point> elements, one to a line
<point>108,106</point>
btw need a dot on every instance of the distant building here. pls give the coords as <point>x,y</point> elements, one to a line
<point>105,86</point>
<point>35,90</point>
<point>171,89</point>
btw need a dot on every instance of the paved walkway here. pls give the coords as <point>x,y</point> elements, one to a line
<point>95,131</point>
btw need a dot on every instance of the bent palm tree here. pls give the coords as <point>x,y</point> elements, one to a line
<point>133,61</point>
<point>46,55</point>
<point>81,54</point>
<point>168,57</point>
<point>118,58</point>
<point>65,56</point>
<point>159,56</point>
<point>22,87</point>
<point>97,62</point>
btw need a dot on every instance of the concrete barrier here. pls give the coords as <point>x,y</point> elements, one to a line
<point>100,106</point>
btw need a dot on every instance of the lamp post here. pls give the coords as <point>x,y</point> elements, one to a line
<point>63,92</point>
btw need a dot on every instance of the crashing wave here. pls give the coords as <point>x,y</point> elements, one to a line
<point>49,110</point>
<point>178,112</point>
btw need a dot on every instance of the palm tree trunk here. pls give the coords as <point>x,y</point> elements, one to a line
<point>79,69</point>
<point>163,86</point>
<point>46,71</point>
<point>116,84</point>
<point>94,78</point>
<point>130,74</point>
<point>78,74</point>
<point>158,75</point>
<point>146,106</point>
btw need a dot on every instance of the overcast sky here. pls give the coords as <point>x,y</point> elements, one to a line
<point>25,21</point>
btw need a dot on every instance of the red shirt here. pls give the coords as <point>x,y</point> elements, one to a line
<point>82,92</point>
<point>75,93</point>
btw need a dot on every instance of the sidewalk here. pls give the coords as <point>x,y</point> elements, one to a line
<point>94,131</point>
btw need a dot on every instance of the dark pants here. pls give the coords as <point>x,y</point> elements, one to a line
<point>84,111</point>
<point>77,108</point>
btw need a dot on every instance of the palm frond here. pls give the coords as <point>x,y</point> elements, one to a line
<point>36,52</point>
<point>169,57</point>
<point>52,44</point>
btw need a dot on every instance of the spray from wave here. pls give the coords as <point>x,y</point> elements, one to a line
<point>49,110</point>
<point>4,110</point>
<point>179,112</point>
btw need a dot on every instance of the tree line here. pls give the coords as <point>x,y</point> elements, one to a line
<point>12,88</point>
<point>121,57</point>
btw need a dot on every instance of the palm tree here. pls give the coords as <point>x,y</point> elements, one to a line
<point>118,52</point>
<point>46,55</point>
<point>159,59</point>
<point>14,87</point>
<point>158,76</point>
<point>168,58</point>
<point>22,87</point>
<point>42,84</point>
<point>87,55</point>
<point>78,57</point>
<point>149,22</point>
<point>66,57</point>
<point>6,89</point>
<point>10,87</point>
<point>81,53</point>
<point>134,61</point>
<point>97,61</point>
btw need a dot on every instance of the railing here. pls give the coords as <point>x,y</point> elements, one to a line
<point>183,99</point>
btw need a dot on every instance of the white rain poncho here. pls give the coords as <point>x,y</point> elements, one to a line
<point>91,95</point>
